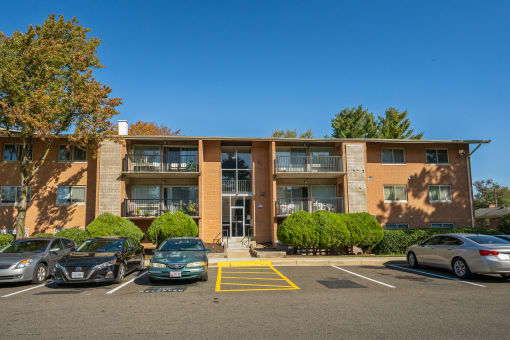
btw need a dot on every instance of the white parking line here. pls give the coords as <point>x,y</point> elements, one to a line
<point>364,277</point>
<point>432,274</point>
<point>24,290</point>
<point>125,283</point>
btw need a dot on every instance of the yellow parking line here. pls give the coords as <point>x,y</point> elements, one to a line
<point>249,273</point>
<point>218,280</point>
<point>252,278</point>
<point>286,279</point>
<point>254,284</point>
<point>254,290</point>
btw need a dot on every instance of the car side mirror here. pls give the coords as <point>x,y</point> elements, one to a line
<point>208,250</point>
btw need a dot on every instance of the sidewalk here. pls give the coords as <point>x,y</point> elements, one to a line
<point>319,261</point>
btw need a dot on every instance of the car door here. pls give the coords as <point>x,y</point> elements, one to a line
<point>447,249</point>
<point>130,254</point>
<point>69,246</point>
<point>55,253</point>
<point>427,254</point>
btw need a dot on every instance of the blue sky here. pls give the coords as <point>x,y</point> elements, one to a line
<point>244,68</point>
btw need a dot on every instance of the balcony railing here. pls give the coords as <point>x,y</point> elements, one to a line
<point>287,207</point>
<point>156,207</point>
<point>308,164</point>
<point>231,185</point>
<point>156,163</point>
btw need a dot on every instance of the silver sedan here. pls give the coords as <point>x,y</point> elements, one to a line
<point>463,253</point>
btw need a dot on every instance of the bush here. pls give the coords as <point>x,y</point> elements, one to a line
<point>6,239</point>
<point>169,225</point>
<point>504,226</point>
<point>373,232</point>
<point>299,230</point>
<point>355,227</point>
<point>110,225</point>
<point>332,230</point>
<point>44,235</point>
<point>75,234</point>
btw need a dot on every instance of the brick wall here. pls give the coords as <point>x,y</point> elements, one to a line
<point>210,194</point>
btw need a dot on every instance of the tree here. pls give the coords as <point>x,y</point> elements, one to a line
<point>354,122</point>
<point>489,192</point>
<point>292,134</point>
<point>396,125</point>
<point>151,129</point>
<point>47,88</point>
<point>170,225</point>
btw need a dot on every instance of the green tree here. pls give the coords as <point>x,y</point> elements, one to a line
<point>47,88</point>
<point>354,122</point>
<point>292,134</point>
<point>487,192</point>
<point>170,225</point>
<point>108,224</point>
<point>396,125</point>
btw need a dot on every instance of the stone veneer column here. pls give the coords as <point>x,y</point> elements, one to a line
<point>110,167</point>
<point>356,177</point>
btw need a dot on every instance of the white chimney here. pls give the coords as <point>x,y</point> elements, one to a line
<point>122,127</point>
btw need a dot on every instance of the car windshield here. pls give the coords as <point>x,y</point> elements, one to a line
<point>28,246</point>
<point>181,244</point>
<point>101,246</point>
<point>486,239</point>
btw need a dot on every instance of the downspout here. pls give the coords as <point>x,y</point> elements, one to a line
<point>468,164</point>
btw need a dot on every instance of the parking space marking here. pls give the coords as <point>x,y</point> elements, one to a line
<point>252,278</point>
<point>24,290</point>
<point>364,277</point>
<point>125,283</point>
<point>249,284</point>
<point>437,275</point>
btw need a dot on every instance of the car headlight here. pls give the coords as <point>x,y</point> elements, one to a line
<point>24,263</point>
<point>196,264</point>
<point>104,265</point>
<point>157,265</point>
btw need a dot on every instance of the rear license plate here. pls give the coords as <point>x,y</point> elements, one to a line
<point>77,275</point>
<point>175,274</point>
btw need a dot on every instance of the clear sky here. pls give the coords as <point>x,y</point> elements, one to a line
<point>244,68</point>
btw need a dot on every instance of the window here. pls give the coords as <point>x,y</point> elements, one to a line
<point>440,193</point>
<point>71,153</point>
<point>486,239</point>
<point>5,231</point>
<point>57,229</point>
<point>395,226</point>
<point>395,193</point>
<point>441,225</point>
<point>12,194</point>
<point>432,241</point>
<point>392,156</point>
<point>326,192</point>
<point>437,156</point>
<point>56,245</point>
<point>236,167</point>
<point>68,243</point>
<point>451,241</point>
<point>70,195</point>
<point>12,152</point>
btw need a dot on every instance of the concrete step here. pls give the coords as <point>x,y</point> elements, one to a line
<point>238,254</point>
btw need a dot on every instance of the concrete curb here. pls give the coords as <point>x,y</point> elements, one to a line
<point>356,261</point>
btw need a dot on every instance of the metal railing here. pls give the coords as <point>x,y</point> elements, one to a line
<point>308,164</point>
<point>333,204</point>
<point>231,185</point>
<point>156,207</point>
<point>156,163</point>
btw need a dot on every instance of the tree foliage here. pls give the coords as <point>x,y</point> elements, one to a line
<point>489,192</point>
<point>292,133</point>
<point>299,230</point>
<point>75,234</point>
<point>354,122</point>
<point>47,88</point>
<point>108,224</point>
<point>333,232</point>
<point>151,129</point>
<point>169,225</point>
<point>396,125</point>
<point>6,239</point>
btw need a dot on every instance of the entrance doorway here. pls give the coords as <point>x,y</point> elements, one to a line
<point>237,219</point>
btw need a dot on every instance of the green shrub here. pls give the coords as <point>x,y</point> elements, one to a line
<point>373,232</point>
<point>110,225</point>
<point>332,229</point>
<point>504,226</point>
<point>75,234</point>
<point>6,239</point>
<point>44,235</point>
<point>299,230</point>
<point>355,227</point>
<point>169,225</point>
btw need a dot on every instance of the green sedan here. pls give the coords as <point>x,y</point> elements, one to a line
<point>179,258</point>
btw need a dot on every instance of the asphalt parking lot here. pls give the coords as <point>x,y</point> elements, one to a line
<point>391,301</point>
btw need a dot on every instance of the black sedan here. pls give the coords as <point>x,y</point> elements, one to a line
<point>100,260</point>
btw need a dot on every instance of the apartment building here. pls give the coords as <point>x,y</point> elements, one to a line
<point>243,188</point>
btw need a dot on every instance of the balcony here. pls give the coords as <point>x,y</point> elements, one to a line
<point>233,186</point>
<point>285,208</point>
<point>308,166</point>
<point>156,166</point>
<point>150,208</point>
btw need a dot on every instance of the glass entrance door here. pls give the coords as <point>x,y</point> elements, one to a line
<point>237,221</point>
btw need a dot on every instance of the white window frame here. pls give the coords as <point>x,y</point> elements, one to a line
<point>440,201</point>
<point>71,193</point>
<point>397,224</point>
<point>72,154</point>
<point>436,149</point>
<point>16,203</point>
<point>395,201</point>
<point>393,156</point>
<point>16,145</point>
<point>442,225</point>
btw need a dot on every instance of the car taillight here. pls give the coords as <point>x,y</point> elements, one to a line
<point>488,252</point>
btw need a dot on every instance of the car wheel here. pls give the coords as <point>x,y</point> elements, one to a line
<point>142,263</point>
<point>40,273</point>
<point>204,277</point>
<point>412,260</point>
<point>460,268</point>
<point>120,273</point>
<point>505,276</point>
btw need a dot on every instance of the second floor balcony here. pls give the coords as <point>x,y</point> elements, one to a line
<point>287,207</point>
<point>150,208</point>
<point>182,166</point>
<point>312,166</point>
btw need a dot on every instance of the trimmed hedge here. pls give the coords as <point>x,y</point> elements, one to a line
<point>299,230</point>
<point>44,235</point>
<point>397,241</point>
<point>108,224</point>
<point>169,225</point>
<point>373,232</point>
<point>6,239</point>
<point>74,234</point>
<point>333,232</point>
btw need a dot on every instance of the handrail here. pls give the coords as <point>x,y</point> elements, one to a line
<point>157,163</point>
<point>134,207</point>
<point>308,164</point>
<point>287,207</point>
